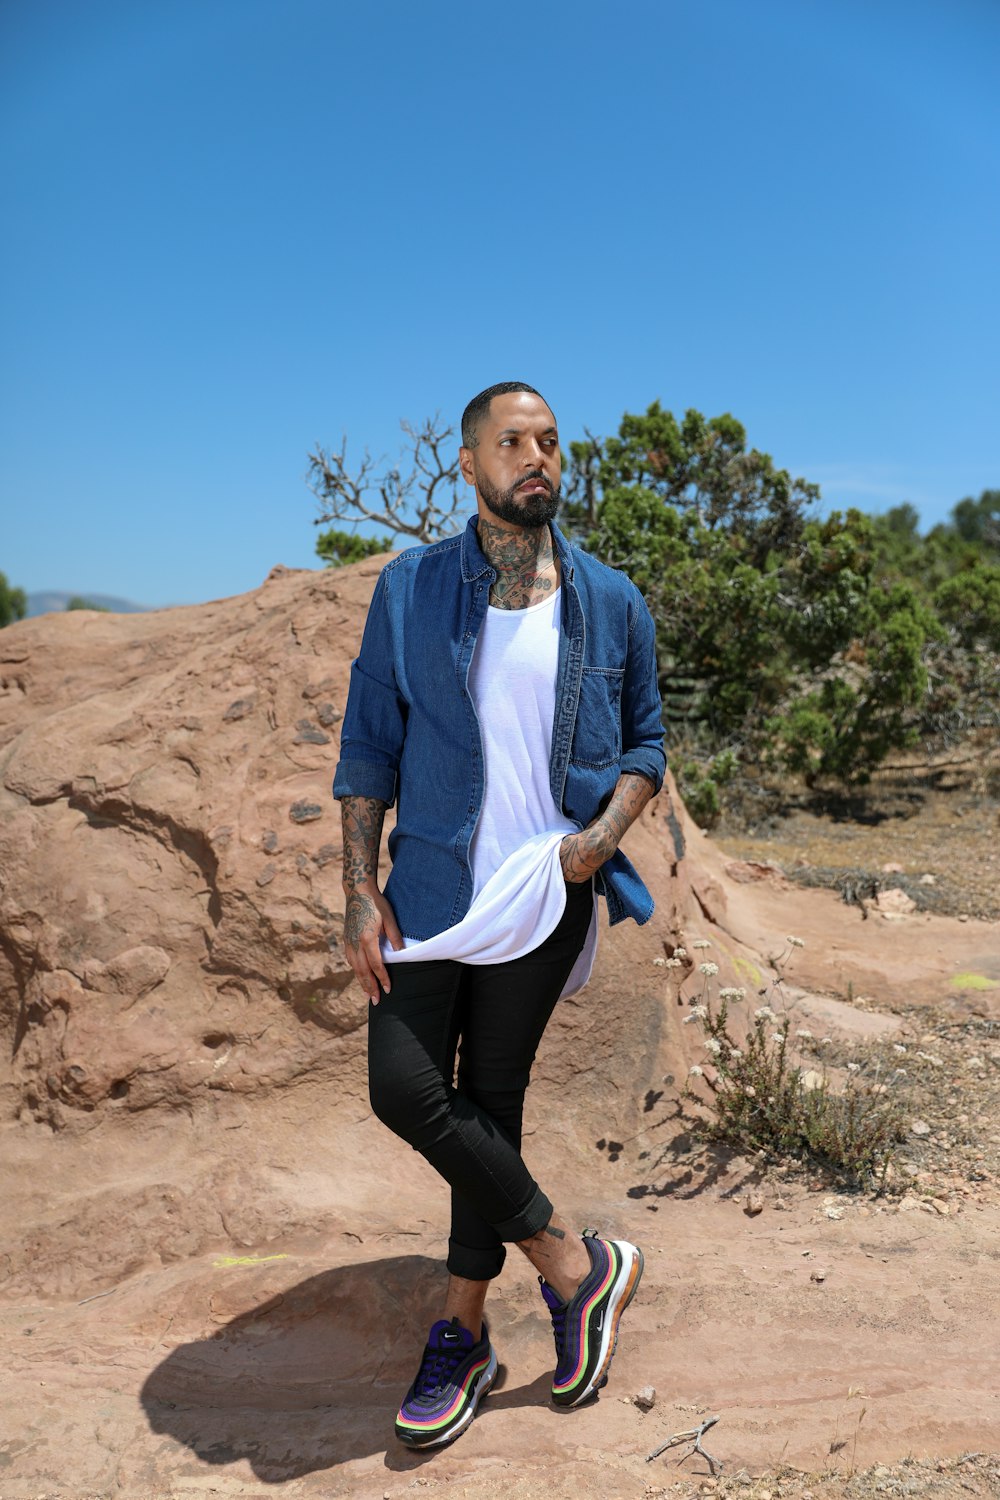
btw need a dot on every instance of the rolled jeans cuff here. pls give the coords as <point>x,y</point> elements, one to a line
<point>476,1263</point>
<point>523,1225</point>
<point>473,1263</point>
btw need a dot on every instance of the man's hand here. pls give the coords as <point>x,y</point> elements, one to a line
<point>366,917</point>
<point>582,854</point>
<point>367,914</point>
<point>581,857</point>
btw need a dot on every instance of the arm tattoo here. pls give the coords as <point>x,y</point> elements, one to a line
<point>589,849</point>
<point>361,819</point>
<point>358,914</point>
<point>557,1234</point>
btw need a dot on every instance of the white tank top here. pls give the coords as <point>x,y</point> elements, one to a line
<point>512,681</point>
<point>519,893</point>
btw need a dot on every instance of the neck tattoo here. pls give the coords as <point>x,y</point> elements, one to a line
<point>526,566</point>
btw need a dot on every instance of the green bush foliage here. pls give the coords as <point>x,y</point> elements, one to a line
<point>13,602</point>
<point>801,645</point>
<point>338,548</point>
<point>78,602</point>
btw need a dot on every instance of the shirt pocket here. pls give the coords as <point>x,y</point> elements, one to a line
<point>597,737</point>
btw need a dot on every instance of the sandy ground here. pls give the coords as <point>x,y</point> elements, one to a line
<point>832,1334</point>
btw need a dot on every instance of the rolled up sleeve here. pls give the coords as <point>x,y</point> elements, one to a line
<point>642,729</point>
<point>374,726</point>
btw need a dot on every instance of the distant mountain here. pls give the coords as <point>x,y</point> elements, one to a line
<point>54,601</point>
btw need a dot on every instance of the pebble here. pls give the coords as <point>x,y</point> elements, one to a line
<point>817,1275</point>
<point>754,1205</point>
<point>920,1127</point>
<point>645,1399</point>
<point>305,812</point>
<point>239,709</point>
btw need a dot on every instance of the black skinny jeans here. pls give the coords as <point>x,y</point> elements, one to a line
<point>493,1017</point>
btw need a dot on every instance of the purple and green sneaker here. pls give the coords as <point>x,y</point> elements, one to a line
<point>586,1327</point>
<point>454,1376</point>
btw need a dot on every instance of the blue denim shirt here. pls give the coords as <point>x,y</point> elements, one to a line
<point>410,730</point>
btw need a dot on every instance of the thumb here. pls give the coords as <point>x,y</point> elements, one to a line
<point>392,931</point>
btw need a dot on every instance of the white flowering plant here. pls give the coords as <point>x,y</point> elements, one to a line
<point>762,1097</point>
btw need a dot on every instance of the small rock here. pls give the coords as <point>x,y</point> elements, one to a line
<point>780,1205</point>
<point>754,1205</point>
<point>920,1127</point>
<point>927,880</point>
<point>811,1080</point>
<point>892,868</point>
<point>834,1213</point>
<point>817,1275</point>
<point>305,812</point>
<point>239,709</point>
<point>939,1206</point>
<point>963,916</point>
<point>269,842</point>
<point>266,875</point>
<point>895,902</point>
<point>645,1399</point>
<point>328,715</point>
<point>308,734</point>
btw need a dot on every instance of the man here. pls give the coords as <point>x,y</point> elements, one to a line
<point>505,697</point>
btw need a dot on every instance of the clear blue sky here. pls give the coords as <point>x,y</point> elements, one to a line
<point>237,227</point>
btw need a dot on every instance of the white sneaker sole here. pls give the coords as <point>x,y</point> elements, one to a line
<point>623,1290</point>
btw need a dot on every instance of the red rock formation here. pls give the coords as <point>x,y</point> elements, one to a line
<point>183,1082</point>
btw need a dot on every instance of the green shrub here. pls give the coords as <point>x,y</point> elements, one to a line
<point>699,786</point>
<point>339,548</point>
<point>759,1100</point>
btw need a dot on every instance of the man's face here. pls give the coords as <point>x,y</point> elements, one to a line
<point>516,466</point>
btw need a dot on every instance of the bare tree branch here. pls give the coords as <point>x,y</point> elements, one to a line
<point>424,503</point>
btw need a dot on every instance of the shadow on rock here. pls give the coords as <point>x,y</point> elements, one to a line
<point>310,1378</point>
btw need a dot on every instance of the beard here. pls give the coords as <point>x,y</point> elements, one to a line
<point>533,511</point>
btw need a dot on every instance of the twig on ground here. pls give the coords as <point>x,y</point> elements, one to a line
<point>693,1436</point>
<point>96,1297</point>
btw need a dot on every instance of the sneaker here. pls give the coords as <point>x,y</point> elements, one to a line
<point>586,1327</point>
<point>454,1376</point>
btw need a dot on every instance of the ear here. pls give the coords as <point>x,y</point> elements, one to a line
<point>465,463</point>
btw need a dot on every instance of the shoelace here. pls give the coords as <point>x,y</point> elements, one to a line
<point>559,1329</point>
<point>436,1370</point>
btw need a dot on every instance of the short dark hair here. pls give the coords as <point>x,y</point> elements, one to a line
<point>478,408</point>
